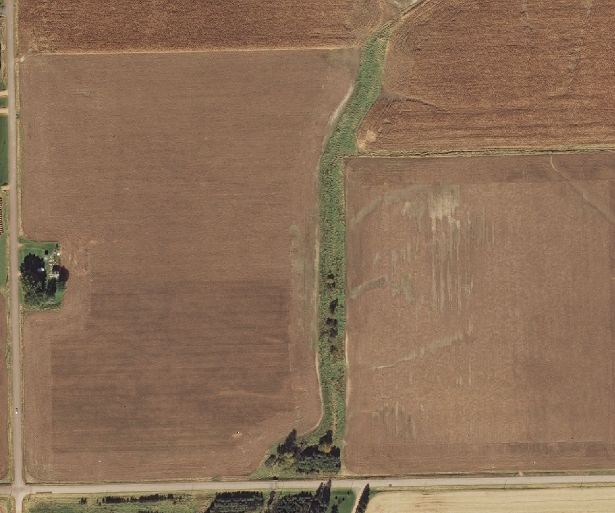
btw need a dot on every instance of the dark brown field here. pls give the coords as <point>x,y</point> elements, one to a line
<point>480,314</point>
<point>92,25</point>
<point>474,74</point>
<point>4,394</point>
<point>182,188</point>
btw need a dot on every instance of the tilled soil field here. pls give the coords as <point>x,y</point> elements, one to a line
<point>182,189</point>
<point>480,314</point>
<point>91,25</point>
<point>554,500</point>
<point>482,74</point>
<point>4,393</point>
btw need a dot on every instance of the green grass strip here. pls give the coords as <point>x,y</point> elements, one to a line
<point>332,257</point>
<point>332,266</point>
<point>4,149</point>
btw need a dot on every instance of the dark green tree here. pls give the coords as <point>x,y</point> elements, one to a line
<point>363,500</point>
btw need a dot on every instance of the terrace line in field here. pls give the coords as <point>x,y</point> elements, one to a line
<point>485,74</point>
<point>480,313</point>
<point>184,199</point>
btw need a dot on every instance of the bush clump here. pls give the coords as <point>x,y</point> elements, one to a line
<point>324,458</point>
<point>38,288</point>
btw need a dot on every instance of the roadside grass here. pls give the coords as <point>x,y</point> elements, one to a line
<point>344,498</point>
<point>65,503</point>
<point>332,263</point>
<point>7,504</point>
<point>176,503</point>
<point>4,149</point>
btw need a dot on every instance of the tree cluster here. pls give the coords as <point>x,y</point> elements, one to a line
<point>236,502</point>
<point>38,289</point>
<point>363,500</point>
<point>114,499</point>
<point>312,459</point>
<point>301,502</point>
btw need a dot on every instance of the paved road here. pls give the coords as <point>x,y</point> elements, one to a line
<point>356,484</point>
<point>18,483</point>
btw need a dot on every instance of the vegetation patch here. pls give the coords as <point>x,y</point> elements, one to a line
<point>42,276</point>
<point>305,458</point>
<point>4,147</point>
<point>363,500</point>
<point>319,452</point>
<point>323,500</point>
<point>4,256</point>
<point>7,505</point>
<point>301,502</point>
<point>234,502</point>
<point>156,503</point>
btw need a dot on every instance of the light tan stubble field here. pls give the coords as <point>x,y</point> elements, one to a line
<point>554,500</point>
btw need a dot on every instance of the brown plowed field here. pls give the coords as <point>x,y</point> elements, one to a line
<point>93,26</point>
<point>182,188</point>
<point>482,73</point>
<point>4,394</point>
<point>480,314</point>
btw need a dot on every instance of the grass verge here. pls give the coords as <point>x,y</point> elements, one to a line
<point>56,503</point>
<point>4,148</point>
<point>341,501</point>
<point>7,505</point>
<point>319,452</point>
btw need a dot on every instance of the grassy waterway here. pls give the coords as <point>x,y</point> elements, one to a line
<point>332,258</point>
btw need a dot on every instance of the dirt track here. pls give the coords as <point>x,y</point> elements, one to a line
<point>479,317</point>
<point>487,74</point>
<point>184,347</point>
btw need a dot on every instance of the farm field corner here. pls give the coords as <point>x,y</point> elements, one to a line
<point>500,268</point>
<point>175,260</point>
<point>488,75</point>
<point>550,500</point>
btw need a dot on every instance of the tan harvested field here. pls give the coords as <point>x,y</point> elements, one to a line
<point>93,26</point>
<point>480,314</point>
<point>556,500</point>
<point>476,74</point>
<point>182,188</point>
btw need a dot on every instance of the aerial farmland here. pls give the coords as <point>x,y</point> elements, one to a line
<point>468,255</point>
<point>255,246</point>
<point>191,252</point>
<point>93,26</point>
<point>473,74</point>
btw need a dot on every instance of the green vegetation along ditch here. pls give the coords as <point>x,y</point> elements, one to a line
<point>319,452</point>
<point>42,276</point>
